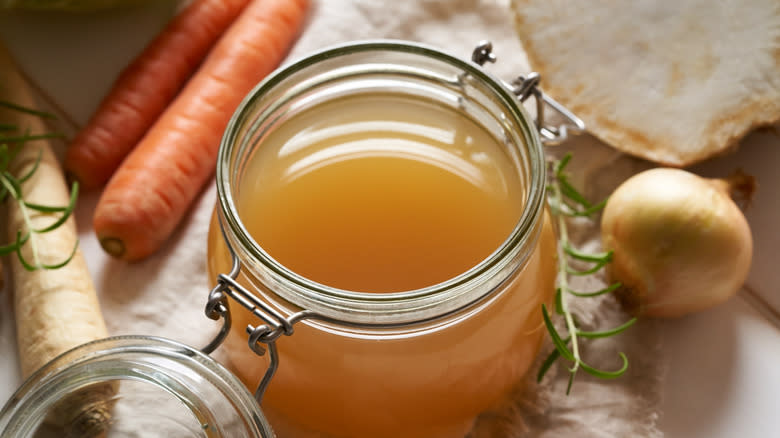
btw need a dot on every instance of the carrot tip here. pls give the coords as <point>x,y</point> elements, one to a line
<point>113,246</point>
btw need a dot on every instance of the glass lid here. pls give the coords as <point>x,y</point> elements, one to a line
<point>133,386</point>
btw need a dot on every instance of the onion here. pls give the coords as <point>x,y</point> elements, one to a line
<point>681,244</point>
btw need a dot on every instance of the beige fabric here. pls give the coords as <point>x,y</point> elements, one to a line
<point>671,81</point>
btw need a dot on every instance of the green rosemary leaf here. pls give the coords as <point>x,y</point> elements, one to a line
<point>31,137</point>
<point>596,207</point>
<point>571,381</point>
<point>7,127</point>
<point>588,212</point>
<point>606,290</point>
<point>556,338</point>
<point>559,301</point>
<point>606,374</point>
<point>564,208</point>
<point>11,184</point>
<point>26,110</point>
<point>592,270</point>
<point>44,208</point>
<point>34,167</point>
<point>19,255</point>
<point>66,261</point>
<point>607,333</point>
<point>586,256</point>
<point>571,207</point>
<point>74,192</point>
<point>548,362</point>
<point>570,192</point>
<point>562,165</point>
<point>11,247</point>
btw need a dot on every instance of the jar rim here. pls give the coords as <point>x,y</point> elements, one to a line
<point>521,235</point>
<point>120,355</point>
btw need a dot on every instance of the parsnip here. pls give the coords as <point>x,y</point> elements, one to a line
<point>58,309</point>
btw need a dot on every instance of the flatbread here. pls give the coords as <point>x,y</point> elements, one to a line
<point>674,82</point>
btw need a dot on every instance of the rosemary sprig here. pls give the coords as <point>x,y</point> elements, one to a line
<point>23,109</point>
<point>565,201</point>
<point>11,187</point>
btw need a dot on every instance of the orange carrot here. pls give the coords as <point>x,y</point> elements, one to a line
<point>145,87</point>
<point>152,189</point>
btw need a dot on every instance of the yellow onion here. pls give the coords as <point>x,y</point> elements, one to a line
<point>681,244</point>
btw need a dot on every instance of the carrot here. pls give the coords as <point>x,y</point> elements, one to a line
<point>56,309</point>
<point>151,191</point>
<point>145,88</point>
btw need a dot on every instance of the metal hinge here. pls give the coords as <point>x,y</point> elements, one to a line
<point>526,86</point>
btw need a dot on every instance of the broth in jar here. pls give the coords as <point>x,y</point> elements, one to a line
<point>389,200</point>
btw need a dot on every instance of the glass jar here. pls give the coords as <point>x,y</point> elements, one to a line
<point>413,363</point>
<point>147,387</point>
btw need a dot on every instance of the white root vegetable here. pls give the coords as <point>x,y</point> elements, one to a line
<point>667,81</point>
<point>55,309</point>
<point>680,243</point>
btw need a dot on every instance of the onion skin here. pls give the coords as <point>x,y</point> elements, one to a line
<point>680,242</point>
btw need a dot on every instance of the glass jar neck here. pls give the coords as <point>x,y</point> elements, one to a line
<point>392,67</point>
<point>212,397</point>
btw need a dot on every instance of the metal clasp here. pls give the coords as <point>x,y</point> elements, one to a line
<point>526,86</point>
<point>262,337</point>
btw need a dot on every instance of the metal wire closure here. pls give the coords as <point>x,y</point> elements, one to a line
<point>263,337</point>
<point>275,324</point>
<point>526,86</point>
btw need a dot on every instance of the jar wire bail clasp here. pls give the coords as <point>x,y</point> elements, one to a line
<point>526,86</point>
<point>261,337</point>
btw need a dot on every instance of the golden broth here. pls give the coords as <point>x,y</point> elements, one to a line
<point>381,193</point>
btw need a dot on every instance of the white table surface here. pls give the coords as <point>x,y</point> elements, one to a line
<point>723,375</point>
